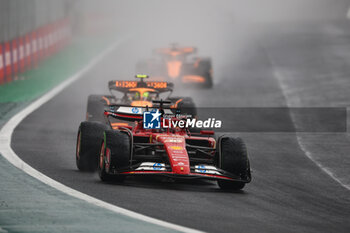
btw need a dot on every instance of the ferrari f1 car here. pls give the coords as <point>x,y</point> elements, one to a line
<point>170,152</point>
<point>138,94</point>
<point>173,64</point>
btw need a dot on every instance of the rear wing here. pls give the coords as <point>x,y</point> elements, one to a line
<point>130,113</point>
<point>124,86</point>
<point>175,51</point>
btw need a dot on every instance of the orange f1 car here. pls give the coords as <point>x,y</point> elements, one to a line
<point>173,64</point>
<point>136,94</point>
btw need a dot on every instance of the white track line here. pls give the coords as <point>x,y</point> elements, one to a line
<point>307,153</point>
<point>12,157</point>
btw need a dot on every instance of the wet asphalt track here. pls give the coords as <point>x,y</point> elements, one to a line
<point>289,193</point>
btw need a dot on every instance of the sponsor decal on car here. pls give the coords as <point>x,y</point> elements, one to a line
<point>206,169</point>
<point>201,168</point>
<point>157,166</point>
<point>135,110</point>
<point>174,140</point>
<point>151,166</point>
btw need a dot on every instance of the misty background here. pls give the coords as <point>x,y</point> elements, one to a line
<point>233,33</point>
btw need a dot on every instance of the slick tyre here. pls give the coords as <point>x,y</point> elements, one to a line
<point>116,155</point>
<point>89,138</point>
<point>233,158</point>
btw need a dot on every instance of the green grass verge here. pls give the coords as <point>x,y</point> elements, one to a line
<point>52,71</point>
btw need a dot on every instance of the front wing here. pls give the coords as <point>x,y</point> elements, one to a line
<point>196,172</point>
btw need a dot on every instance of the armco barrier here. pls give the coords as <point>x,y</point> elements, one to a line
<point>34,46</point>
<point>25,52</point>
<point>14,57</point>
<point>46,43</point>
<point>40,38</point>
<point>2,71</point>
<point>21,58</point>
<point>8,62</point>
<point>28,51</point>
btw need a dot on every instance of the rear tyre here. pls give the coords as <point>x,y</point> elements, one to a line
<point>95,108</point>
<point>187,106</point>
<point>234,159</point>
<point>205,70</point>
<point>89,137</point>
<point>116,155</point>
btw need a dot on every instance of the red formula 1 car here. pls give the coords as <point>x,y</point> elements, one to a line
<point>172,152</point>
<point>173,64</point>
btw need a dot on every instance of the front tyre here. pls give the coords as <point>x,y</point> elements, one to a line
<point>89,138</point>
<point>230,186</point>
<point>114,155</point>
<point>233,158</point>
